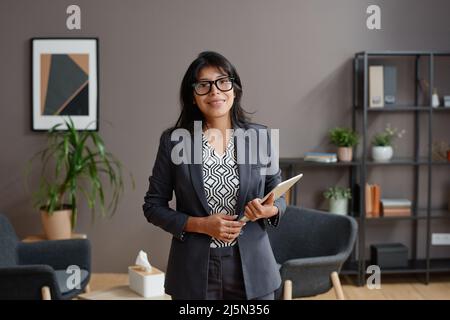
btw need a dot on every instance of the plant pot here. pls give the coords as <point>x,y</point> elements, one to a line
<point>382,154</point>
<point>338,206</point>
<point>345,154</point>
<point>58,224</point>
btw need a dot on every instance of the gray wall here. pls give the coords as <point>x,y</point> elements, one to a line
<point>294,58</point>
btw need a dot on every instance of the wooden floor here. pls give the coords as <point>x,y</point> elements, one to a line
<point>392,287</point>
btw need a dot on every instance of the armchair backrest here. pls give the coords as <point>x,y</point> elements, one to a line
<point>304,233</point>
<point>8,243</point>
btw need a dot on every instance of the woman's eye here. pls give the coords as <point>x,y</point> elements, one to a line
<point>203,85</point>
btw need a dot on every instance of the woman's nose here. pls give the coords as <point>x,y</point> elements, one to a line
<point>214,90</point>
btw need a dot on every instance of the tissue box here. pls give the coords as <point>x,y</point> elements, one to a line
<point>147,284</point>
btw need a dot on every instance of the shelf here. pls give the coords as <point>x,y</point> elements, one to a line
<point>403,53</point>
<point>301,162</point>
<point>393,162</point>
<point>439,265</point>
<point>418,266</point>
<point>440,163</point>
<point>396,108</point>
<point>435,214</point>
<point>414,266</point>
<point>398,161</point>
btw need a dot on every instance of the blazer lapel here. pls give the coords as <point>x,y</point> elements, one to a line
<point>197,181</point>
<point>196,172</point>
<point>244,170</point>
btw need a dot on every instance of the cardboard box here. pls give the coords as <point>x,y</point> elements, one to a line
<point>147,284</point>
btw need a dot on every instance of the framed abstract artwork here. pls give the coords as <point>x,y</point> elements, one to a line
<point>65,83</point>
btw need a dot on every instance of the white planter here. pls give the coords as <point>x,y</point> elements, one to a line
<point>382,154</point>
<point>339,206</point>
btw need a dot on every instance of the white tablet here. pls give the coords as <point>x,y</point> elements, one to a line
<point>279,190</point>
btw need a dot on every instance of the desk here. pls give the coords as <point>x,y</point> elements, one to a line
<point>41,237</point>
<point>118,293</point>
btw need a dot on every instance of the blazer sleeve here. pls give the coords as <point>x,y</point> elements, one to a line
<point>271,182</point>
<point>160,192</point>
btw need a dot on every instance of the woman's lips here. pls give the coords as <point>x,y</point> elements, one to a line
<point>216,103</point>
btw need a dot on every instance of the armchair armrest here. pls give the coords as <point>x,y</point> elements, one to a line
<point>26,282</point>
<point>59,254</point>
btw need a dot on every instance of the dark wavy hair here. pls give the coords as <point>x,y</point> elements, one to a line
<point>190,111</point>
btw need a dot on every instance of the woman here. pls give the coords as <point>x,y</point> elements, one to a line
<point>213,255</point>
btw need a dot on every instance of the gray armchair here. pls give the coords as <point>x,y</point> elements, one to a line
<point>311,246</point>
<point>38,270</point>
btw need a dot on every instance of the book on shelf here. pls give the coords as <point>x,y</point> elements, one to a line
<point>390,85</point>
<point>394,203</point>
<point>320,157</point>
<point>376,87</point>
<point>395,212</point>
<point>372,193</point>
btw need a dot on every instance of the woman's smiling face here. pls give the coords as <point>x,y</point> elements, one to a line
<point>216,103</point>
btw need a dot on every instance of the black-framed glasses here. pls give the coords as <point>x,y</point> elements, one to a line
<point>204,87</point>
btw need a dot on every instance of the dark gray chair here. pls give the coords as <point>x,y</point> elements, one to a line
<point>38,270</point>
<point>311,246</point>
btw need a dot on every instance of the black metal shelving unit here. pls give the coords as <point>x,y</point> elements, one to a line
<point>357,169</point>
<point>427,213</point>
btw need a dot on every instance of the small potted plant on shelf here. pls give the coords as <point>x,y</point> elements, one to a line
<point>338,199</point>
<point>345,139</point>
<point>78,160</point>
<point>382,149</point>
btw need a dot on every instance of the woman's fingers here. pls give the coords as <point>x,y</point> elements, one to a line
<point>229,236</point>
<point>229,229</point>
<point>249,213</point>
<point>228,217</point>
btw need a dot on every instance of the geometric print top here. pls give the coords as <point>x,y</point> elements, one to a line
<point>221,182</point>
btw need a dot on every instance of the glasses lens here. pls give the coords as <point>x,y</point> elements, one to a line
<point>202,87</point>
<point>225,84</point>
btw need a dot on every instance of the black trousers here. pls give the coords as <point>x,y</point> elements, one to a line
<point>225,278</point>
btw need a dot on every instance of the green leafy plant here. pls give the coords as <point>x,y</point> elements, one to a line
<point>337,193</point>
<point>343,137</point>
<point>79,161</point>
<point>385,138</point>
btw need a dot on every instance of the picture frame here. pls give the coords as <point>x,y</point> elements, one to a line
<point>65,83</point>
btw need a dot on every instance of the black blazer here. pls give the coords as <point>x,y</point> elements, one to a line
<point>187,270</point>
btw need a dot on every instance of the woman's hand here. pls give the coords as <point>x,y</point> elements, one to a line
<point>254,210</point>
<point>222,226</point>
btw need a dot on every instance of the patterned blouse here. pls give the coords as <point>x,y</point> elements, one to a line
<point>221,182</point>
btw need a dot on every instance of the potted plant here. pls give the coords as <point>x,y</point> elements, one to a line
<point>338,199</point>
<point>79,160</point>
<point>345,139</point>
<point>382,150</point>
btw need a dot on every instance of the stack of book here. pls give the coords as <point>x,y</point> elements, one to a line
<point>320,157</point>
<point>373,194</point>
<point>396,207</point>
